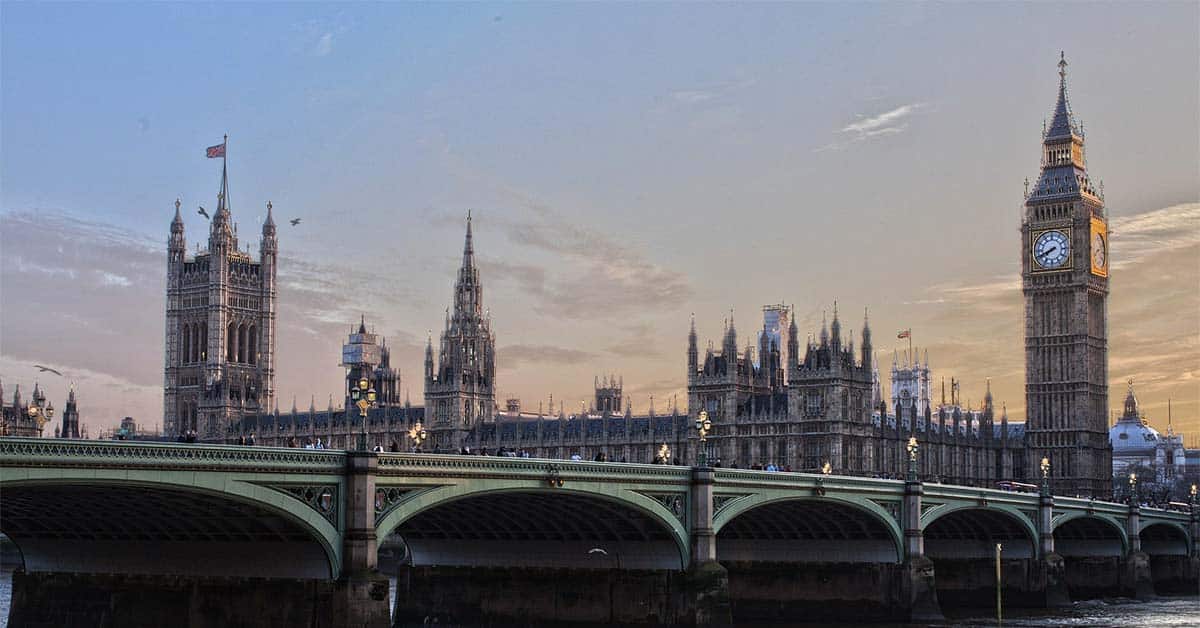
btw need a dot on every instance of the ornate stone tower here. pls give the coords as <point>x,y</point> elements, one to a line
<point>1064,273</point>
<point>220,330</point>
<point>460,391</point>
<point>609,393</point>
<point>70,418</point>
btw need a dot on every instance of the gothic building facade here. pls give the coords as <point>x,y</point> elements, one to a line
<point>827,407</point>
<point>802,407</point>
<point>460,386</point>
<point>367,356</point>
<point>1064,276</point>
<point>30,417</point>
<point>70,417</point>
<point>220,327</point>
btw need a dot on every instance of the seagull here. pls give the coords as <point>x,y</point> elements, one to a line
<point>46,369</point>
<point>202,212</point>
<point>295,221</point>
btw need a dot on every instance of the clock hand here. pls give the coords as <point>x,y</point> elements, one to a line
<point>1051,250</point>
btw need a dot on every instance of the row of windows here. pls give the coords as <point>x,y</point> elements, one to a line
<point>249,303</point>
<point>1051,212</point>
<point>241,342</point>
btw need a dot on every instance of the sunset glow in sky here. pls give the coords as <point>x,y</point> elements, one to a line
<point>626,165</point>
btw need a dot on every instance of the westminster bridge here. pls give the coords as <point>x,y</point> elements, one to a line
<point>153,534</point>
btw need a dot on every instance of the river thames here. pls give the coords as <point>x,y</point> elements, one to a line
<point>1164,612</point>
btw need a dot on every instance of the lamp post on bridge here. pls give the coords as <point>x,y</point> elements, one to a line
<point>912,458</point>
<point>703,425</point>
<point>418,435</point>
<point>363,395</point>
<point>1133,497</point>
<point>1045,488</point>
<point>41,416</point>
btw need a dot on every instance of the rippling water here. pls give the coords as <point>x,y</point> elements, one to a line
<point>1159,613</point>
<point>5,596</point>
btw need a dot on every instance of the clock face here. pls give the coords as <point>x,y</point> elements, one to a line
<point>1052,249</point>
<point>1098,252</point>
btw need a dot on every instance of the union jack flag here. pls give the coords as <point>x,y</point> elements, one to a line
<point>215,151</point>
<point>904,333</point>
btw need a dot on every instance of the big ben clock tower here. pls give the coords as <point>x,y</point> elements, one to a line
<point>1064,276</point>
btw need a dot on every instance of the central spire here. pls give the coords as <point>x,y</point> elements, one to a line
<point>468,246</point>
<point>1063,124</point>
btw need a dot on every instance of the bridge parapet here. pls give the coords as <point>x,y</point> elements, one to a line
<point>44,452</point>
<point>467,467</point>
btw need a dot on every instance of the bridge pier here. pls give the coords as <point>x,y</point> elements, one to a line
<point>918,587</point>
<point>361,594</point>
<point>1136,578</point>
<point>1051,568</point>
<point>707,579</point>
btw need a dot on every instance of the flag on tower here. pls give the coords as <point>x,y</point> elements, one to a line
<point>213,152</point>
<point>904,333</point>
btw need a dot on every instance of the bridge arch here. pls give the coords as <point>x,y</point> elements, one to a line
<point>165,523</point>
<point>767,527</point>
<point>1084,534</point>
<point>1164,538</point>
<point>970,531</point>
<point>461,524</point>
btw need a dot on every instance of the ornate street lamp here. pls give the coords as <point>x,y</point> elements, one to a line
<point>1045,476</point>
<point>664,454</point>
<point>1133,489</point>
<point>363,396</point>
<point>703,426</point>
<point>418,435</point>
<point>826,468</point>
<point>41,416</point>
<point>912,458</point>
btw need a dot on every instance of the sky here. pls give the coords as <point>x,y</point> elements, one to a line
<point>627,166</point>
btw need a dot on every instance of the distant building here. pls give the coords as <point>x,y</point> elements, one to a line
<point>366,355</point>
<point>220,329</point>
<point>21,418</point>
<point>1136,444</point>
<point>70,418</point>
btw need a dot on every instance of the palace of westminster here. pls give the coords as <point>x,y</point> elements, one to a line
<point>797,403</point>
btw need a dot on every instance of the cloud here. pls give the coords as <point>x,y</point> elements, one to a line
<point>891,122</point>
<point>317,36</point>
<point>640,342</point>
<point>711,91</point>
<point>513,356</point>
<point>595,277</point>
<point>692,96</point>
<point>1133,238</point>
<point>880,122</point>
<point>324,45</point>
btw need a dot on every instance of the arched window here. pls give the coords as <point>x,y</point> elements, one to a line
<point>185,355</point>
<point>231,343</point>
<point>241,345</point>
<point>203,345</point>
<point>252,348</point>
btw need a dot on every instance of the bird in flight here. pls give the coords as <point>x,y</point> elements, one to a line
<point>202,211</point>
<point>46,369</point>
<point>295,221</point>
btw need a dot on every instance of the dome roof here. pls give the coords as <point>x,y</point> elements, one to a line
<point>1131,438</point>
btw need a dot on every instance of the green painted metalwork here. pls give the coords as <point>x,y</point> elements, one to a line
<point>293,482</point>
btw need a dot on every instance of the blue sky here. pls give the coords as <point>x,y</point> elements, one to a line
<point>627,165</point>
